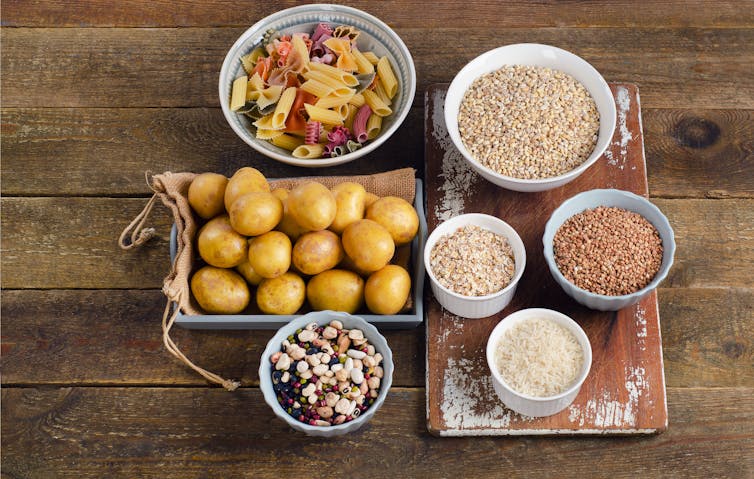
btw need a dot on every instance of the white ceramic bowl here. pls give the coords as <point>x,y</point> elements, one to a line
<point>321,318</point>
<point>530,405</point>
<point>375,36</point>
<point>476,306</point>
<point>621,199</point>
<point>531,54</point>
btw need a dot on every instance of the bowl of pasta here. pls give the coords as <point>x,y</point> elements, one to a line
<point>317,85</point>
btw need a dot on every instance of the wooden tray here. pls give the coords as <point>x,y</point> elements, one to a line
<point>625,390</point>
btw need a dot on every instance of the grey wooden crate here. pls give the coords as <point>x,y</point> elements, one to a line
<point>267,321</point>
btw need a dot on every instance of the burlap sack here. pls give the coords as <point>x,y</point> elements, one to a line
<point>172,190</point>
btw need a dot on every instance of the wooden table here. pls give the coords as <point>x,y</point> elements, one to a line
<point>95,93</point>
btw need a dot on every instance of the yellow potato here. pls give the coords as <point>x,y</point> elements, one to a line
<point>282,295</point>
<point>219,290</point>
<point>349,199</point>
<point>397,215</point>
<point>220,245</point>
<point>348,264</point>
<point>287,224</point>
<point>368,244</point>
<point>255,213</point>
<point>312,205</point>
<point>270,254</point>
<point>336,290</point>
<point>206,194</point>
<point>281,193</point>
<point>386,290</point>
<point>370,198</point>
<point>245,180</point>
<point>248,273</point>
<point>317,251</point>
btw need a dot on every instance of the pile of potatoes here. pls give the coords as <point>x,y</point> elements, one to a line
<point>338,248</point>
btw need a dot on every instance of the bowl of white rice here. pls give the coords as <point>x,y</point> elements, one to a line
<point>539,358</point>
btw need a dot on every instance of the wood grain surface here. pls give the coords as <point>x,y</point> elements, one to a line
<point>95,93</point>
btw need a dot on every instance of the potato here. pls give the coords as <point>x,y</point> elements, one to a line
<point>370,198</point>
<point>248,273</point>
<point>255,213</point>
<point>206,194</point>
<point>270,254</point>
<point>287,224</point>
<point>368,244</point>
<point>349,199</point>
<point>348,264</point>
<point>312,205</point>
<point>336,290</point>
<point>245,180</point>
<point>282,295</point>
<point>386,290</point>
<point>397,215</point>
<point>220,245</point>
<point>317,251</point>
<point>219,290</point>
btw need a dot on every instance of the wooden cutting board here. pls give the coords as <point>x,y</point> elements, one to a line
<point>625,390</point>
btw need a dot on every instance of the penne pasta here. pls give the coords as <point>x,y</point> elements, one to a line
<point>374,126</point>
<point>287,142</point>
<point>342,110</point>
<point>380,91</point>
<point>309,151</point>
<point>373,59</point>
<point>348,120</point>
<point>298,44</point>
<point>363,65</point>
<point>317,88</point>
<point>333,101</point>
<point>338,86</point>
<point>348,78</point>
<point>238,93</point>
<point>264,123</point>
<point>378,107</point>
<point>322,115</point>
<point>357,100</point>
<point>283,108</point>
<point>387,77</point>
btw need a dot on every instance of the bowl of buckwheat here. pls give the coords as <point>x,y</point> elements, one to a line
<point>326,373</point>
<point>530,117</point>
<point>474,262</point>
<point>608,248</point>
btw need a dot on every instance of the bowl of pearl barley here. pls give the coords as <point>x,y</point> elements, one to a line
<point>530,117</point>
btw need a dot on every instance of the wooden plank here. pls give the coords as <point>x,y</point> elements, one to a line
<point>690,153</point>
<point>699,152</point>
<point>112,337</point>
<point>624,392</point>
<point>73,243</point>
<point>397,13</point>
<point>196,433</point>
<point>116,146</point>
<point>126,67</point>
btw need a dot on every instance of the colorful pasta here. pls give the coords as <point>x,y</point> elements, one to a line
<point>315,93</point>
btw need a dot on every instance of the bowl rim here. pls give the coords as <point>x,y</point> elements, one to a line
<point>570,174</point>
<point>273,345</point>
<point>667,242</point>
<point>433,238</point>
<point>398,120</point>
<point>525,315</point>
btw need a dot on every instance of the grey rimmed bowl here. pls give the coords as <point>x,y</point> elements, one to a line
<point>621,199</point>
<point>375,36</point>
<point>321,318</point>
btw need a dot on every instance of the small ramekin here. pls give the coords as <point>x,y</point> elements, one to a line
<point>530,405</point>
<point>476,306</point>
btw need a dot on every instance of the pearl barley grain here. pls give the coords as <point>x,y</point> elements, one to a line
<point>473,261</point>
<point>528,122</point>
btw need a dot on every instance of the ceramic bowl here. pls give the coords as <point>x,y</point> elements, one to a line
<point>621,199</point>
<point>531,54</point>
<point>375,36</point>
<point>321,318</point>
<point>476,306</point>
<point>530,405</point>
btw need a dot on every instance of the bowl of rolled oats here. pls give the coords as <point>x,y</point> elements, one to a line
<point>530,117</point>
<point>474,262</point>
<point>608,248</point>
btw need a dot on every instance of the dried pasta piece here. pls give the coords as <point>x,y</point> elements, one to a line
<point>373,59</point>
<point>357,100</point>
<point>333,101</point>
<point>348,120</point>
<point>265,122</point>
<point>248,61</point>
<point>296,122</point>
<point>339,88</point>
<point>287,142</point>
<point>380,91</point>
<point>269,96</point>
<point>283,108</point>
<point>348,78</point>
<point>347,31</point>
<point>309,151</point>
<point>263,134</point>
<point>376,104</point>
<point>238,93</point>
<point>387,77</point>
<point>317,88</point>
<point>323,115</point>
<point>312,134</point>
<point>360,123</point>
<point>363,65</point>
<point>365,80</point>
<point>254,87</point>
<point>374,126</point>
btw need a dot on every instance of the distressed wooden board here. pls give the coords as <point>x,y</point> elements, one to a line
<point>625,390</point>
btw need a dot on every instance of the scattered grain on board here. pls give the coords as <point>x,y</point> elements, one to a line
<point>539,357</point>
<point>473,261</point>
<point>608,250</point>
<point>528,122</point>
